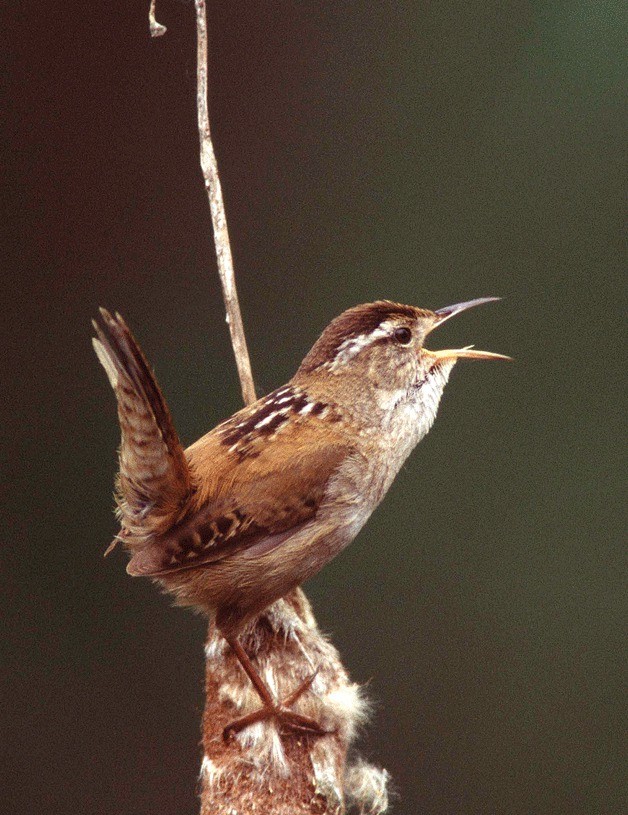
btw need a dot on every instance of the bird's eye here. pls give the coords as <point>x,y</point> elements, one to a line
<point>403,335</point>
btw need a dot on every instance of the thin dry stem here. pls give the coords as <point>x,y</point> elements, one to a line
<point>156,29</point>
<point>209,167</point>
<point>258,770</point>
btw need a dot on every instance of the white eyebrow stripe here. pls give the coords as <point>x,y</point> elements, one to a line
<point>353,345</point>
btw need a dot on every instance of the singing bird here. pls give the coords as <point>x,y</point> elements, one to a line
<point>264,500</point>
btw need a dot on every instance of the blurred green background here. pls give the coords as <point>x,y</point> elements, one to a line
<point>427,152</point>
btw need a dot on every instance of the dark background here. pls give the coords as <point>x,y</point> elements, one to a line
<point>427,152</point>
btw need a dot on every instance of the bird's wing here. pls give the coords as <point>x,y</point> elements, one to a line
<point>255,491</point>
<point>154,479</point>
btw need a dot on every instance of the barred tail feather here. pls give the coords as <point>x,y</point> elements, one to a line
<point>154,478</point>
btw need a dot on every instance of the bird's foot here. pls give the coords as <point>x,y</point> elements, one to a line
<point>289,720</point>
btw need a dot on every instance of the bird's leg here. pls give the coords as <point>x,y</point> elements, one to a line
<point>271,709</point>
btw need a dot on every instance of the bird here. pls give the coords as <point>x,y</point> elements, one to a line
<point>262,502</point>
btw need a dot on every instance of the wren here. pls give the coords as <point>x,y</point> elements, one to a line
<point>263,501</point>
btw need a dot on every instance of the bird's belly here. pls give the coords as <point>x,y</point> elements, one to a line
<point>246,582</point>
<point>249,581</point>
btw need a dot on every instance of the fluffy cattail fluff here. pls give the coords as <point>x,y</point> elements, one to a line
<point>258,771</point>
<point>366,789</point>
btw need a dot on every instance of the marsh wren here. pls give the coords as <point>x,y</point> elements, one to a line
<point>264,500</point>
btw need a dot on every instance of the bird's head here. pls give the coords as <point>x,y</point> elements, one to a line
<point>375,353</point>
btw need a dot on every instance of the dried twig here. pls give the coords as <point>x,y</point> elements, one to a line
<point>259,770</point>
<point>209,167</point>
<point>156,29</point>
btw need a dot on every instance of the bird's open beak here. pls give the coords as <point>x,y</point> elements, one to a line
<point>469,352</point>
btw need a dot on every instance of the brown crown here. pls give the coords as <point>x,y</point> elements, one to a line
<point>354,322</point>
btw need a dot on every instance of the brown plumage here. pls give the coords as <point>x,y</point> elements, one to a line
<point>260,503</point>
<point>153,484</point>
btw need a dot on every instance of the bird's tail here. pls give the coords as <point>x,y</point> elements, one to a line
<point>154,479</point>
